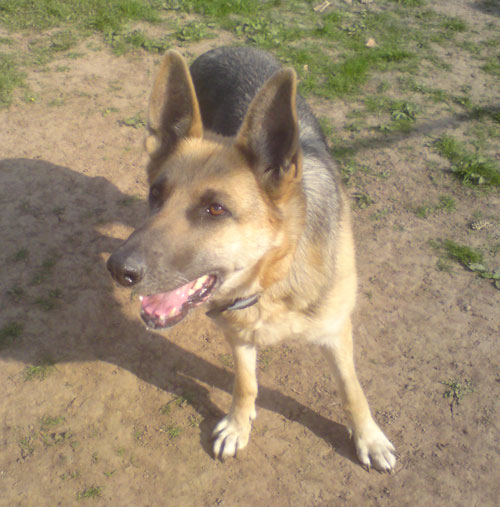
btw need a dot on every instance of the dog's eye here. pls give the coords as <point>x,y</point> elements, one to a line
<point>155,194</point>
<point>216,210</point>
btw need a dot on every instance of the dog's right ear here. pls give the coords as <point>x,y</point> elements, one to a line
<point>173,112</point>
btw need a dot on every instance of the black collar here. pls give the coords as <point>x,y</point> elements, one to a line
<point>237,304</point>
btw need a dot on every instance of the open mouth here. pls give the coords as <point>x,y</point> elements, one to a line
<point>164,310</point>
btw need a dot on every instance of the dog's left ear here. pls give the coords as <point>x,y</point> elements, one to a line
<point>269,135</point>
<point>173,112</point>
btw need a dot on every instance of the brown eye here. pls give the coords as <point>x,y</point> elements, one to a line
<point>216,210</point>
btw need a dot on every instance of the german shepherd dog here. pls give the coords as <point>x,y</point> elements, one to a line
<point>247,217</point>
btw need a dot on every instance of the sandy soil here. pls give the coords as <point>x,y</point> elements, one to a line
<point>131,411</point>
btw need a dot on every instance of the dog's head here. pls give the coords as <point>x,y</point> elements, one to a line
<point>224,212</point>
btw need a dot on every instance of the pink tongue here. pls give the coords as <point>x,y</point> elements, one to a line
<point>163,304</point>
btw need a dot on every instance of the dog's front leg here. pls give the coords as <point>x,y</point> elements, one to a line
<point>372,446</point>
<point>233,431</point>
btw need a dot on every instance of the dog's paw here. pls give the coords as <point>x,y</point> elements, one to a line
<point>374,449</point>
<point>231,435</point>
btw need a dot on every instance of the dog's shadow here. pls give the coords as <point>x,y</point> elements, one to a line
<point>50,221</point>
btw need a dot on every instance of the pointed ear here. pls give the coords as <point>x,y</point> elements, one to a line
<point>269,135</point>
<point>174,112</point>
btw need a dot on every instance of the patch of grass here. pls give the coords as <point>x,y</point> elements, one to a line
<point>100,15</point>
<point>218,9</point>
<point>492,66</point>
<point>136,121</point>
<point>194,31</point>
<point>50,438</point>
<point>179,401</point>
<point>62,40</point>
<point>171,430</point>
<point>466,256</point>
<point>121,42</point>
<point>27,447</point>
<point>456,390</point>
<point>138,434</point>
<point>10,78</point>
<point>266,33</point>
<point>71,475</point>
<point>454,24</point>
<point>165,409</point>
<point>462,253</point>
<point>410,3</point>
<point>49,421</point>
<point>363,200</point>
<point>423,211</point>
<point>484,272</point>
<point>470,168</point>
<point>38,372</point>
<point>195,420</point>
<point>445,203</point>
<point>184,400</point>
<point>9,333</point>
<point>403,111</point>
<point>90,492</point>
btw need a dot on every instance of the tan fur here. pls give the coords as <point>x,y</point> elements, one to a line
<point>307,286</point>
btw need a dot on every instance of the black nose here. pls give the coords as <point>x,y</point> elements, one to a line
<point>126,269</point>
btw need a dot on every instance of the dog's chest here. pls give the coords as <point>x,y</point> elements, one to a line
<point>264,328</point>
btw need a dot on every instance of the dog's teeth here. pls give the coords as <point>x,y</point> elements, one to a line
<point>173,311</point>
<point>141,298</point>
<point>199,283</point>
<point>191,292</point>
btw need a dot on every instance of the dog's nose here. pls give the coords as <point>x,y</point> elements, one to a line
<point>125,269</point>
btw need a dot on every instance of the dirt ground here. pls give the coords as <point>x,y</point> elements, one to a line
<point>96,408</point>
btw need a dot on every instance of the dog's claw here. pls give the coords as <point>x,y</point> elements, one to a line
<point>230,437</point>
<point>374,449</point>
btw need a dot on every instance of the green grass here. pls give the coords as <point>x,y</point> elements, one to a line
<point>171,430</point>
<point>47,421</point>
<point>469,167</point>
<point>456,389</point>
<point>121,42</point>
<point>454,24</point>
<point>100,15</point>
<point>445,203</point>
<point>492,65</point>
<point>90,492</point>
<point>38,372</point>
<point>218,9</point>
<point>10,78</point>
<point>463,254</point>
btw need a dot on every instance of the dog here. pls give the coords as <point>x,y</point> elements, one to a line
<point>248,217</point>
